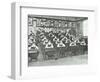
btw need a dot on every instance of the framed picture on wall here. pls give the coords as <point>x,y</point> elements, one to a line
<point>51,41</point>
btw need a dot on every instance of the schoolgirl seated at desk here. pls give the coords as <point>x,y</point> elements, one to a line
<point>33,46</point>
<point>82,43</point>
<point>52,35</point>
<point>60,44</point>
<point>64,39</point>
<point>45,42</point>
<point>67,41</point>
<point>42,36</point>
<point>67,35</point>
<point>44,39</point>
<point>72,44</point>
<point>41,33</point>
<point>55,38</point>
<point>49,45</point>
<point>62,36</point>
<point>77,42</point>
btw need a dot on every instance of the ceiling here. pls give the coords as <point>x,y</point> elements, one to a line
<point>65,18</point>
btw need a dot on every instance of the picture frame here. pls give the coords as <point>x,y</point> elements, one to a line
<point>19,51</point>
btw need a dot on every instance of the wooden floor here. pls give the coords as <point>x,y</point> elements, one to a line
<point>74,60</point>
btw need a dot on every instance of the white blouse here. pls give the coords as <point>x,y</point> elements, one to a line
<point>60,44</point>
<point>49,45</point>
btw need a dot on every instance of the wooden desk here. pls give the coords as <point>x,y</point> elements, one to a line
<point>33,54</point>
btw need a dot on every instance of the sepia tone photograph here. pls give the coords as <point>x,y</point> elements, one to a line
<point>57,40</point>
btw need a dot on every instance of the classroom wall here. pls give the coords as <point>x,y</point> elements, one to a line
<point>85,28</point>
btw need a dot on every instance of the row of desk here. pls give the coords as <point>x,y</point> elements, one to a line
<point>58,52</point>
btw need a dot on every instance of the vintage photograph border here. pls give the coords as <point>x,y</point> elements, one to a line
<point>14,75</point>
